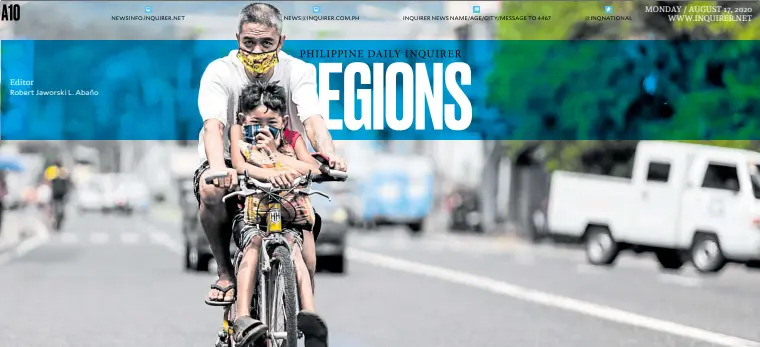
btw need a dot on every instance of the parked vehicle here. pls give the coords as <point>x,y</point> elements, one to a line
<point>114,198</point>
<point>331,243</point>
<point>89,196</point>
<point>683,202</point>
<point>398,191</point>
<point>346,195</point>
<point>134,193</point>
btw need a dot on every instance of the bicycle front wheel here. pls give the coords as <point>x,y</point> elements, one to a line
<point>283,302</point>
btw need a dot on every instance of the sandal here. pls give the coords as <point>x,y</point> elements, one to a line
<point>224,291</point>
<point>247,330</point>
<point>314,329</point>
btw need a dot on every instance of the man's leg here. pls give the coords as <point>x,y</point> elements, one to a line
<point>305,290</point>
<point>309,255</point>
<point>310,323</point>
<point>214,218</point>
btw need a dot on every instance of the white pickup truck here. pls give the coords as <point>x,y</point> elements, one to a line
<point>684,202</point>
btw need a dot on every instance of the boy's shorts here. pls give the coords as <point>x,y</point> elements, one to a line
<point>243,233</point>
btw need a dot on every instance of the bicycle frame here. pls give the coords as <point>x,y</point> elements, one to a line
<point>275,236</point>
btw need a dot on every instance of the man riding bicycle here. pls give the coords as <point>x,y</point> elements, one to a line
<point>258,58</point>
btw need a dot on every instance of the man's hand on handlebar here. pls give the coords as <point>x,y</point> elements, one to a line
<point>329,161</point>
<point>226,182</point>
<point>337,162</point>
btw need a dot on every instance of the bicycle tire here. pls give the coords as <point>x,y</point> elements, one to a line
<point>283,269</point>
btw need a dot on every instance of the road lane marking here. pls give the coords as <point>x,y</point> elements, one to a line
<point>98,238</point>
<point>163,239</point>
<point>547,299</point>
<point>129,238</point>
<point>69,238</point>
<point>24,247</point>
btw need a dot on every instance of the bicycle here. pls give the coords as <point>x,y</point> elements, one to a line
<point>276,286</point>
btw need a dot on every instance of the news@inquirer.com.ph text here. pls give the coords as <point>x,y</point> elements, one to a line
<point>704,14</point>
<point>315,18</point>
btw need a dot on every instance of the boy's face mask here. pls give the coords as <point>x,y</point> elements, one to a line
<point>250,131</point>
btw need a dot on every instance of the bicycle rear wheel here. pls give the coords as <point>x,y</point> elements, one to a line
<point>282,299</point>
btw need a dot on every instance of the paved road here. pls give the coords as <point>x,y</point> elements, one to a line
<point>115,281</point>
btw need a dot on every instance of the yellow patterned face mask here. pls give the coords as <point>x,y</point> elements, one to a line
<point>258,63</point>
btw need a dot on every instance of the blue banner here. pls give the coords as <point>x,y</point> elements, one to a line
<point>147,90</point>
<point>444,90</point>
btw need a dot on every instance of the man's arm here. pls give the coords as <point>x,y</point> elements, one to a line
<point>213,97</point>
<point>304,94</point>
<point>319,136</point>
<point>303,82</point>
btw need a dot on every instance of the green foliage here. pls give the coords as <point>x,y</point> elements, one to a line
<point>568,78</point>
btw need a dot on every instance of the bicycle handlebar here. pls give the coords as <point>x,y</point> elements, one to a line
<point>326,176</point>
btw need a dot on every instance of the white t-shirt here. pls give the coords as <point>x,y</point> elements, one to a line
<point>225,78</point>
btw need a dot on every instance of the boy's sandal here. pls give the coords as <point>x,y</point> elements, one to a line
<point>314,329</point>
<point>224,291</point>
<point>247,330</point>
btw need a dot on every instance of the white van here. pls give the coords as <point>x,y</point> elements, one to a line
<point>684,202</point>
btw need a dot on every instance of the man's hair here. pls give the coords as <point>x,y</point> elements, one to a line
<point>259,93</point>
<point>261,13</point>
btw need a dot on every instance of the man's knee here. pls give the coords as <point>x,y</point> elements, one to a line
<point>210,195</point>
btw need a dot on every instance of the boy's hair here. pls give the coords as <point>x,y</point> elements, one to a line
<point>259,93</point>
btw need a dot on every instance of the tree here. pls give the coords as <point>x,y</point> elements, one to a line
<point>583,80</point>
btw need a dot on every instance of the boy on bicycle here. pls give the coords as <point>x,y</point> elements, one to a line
<point>263,147</point>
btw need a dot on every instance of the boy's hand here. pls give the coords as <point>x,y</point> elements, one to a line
<point>266,141</point>
<point>282,178</point>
